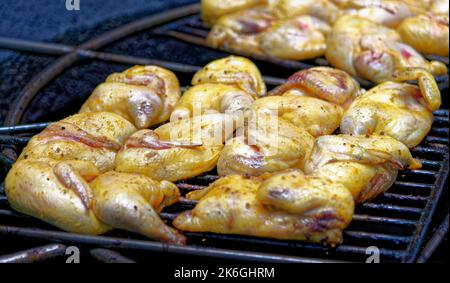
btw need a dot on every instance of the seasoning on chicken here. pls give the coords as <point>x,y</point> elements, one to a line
<point>212,10</point>
<point>177,150</point>
<point>371,51</point>
<point>56,192</point>
<point>211,98</point>
<point>233,70</point>
<point>288,205</point>
<point>365,165</point>
<point>132,202</point>
<point>400,110</point>
<point>94,137</point>
<point>268,144</point>
<point>144,95</point>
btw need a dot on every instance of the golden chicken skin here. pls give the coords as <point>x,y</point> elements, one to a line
<point>326,83</point>
<point>322,9</point>
<point>241,31</point>
<point>132,202</point>
<point>211,10</point>
<point>312,99</point>
<point>211,98</point>
<point>287,205</point>
<point>233,70</point>
<point>365,165</point>
<point>400,110</point>
<point>440,7</point>
<point>144,95</point>
<point>371,51</point>
<point>267,144</point>
<point>389,13</point>
<point>428,34</point>
<point>56,192</point>
<point>300,38</point>
<point>177,150</point>
<point>256,31</point>
<point>95,137</point>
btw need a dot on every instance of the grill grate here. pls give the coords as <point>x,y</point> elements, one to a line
<point>396,222</point>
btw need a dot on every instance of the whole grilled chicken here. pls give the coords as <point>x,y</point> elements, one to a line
<point>312,99</point>
<point>95,137</point>
<point>322,9</point>
<point>400,110</point>
<point>144,95</point>
<point>365,165</point>
<point>428,34</point>
<point>211,98</point>
<point>267,144</point>
<point>132,202</point>
<point>233,70</point>
<point>287,205</point>
<point>56,192</point>
<point>177,150</point>
<point>212,10</point>
<point>256,31</point>
<point>371,51</point>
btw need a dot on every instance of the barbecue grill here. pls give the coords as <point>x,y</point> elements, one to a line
<point>398,222</point>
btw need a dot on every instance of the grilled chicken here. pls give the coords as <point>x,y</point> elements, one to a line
<point>299,38</point>
<point>56,192</point>
<point>94,137</point>
<point>132,202</point>
<point>322,9</point>
<point>428,34</point>
<point>267,144</point>
<point>365,165</point>
<point>312,99</point>
<point>371,51</point>
<point>287,205</point>
<point>256,31</point>
<point>211,98</point>
<point>177,150</point>
<point>212,10</point>
<point>233,70</point>
<point>144,95</point>
<point>400,110</point>
<point>440,7</point>
<point>389,13</point>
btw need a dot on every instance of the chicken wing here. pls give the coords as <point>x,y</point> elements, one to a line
<point>95,137</point>
<point>177,150</point>
<point>211,98</point>
<point>267,145</point>
<point>287,205</point>
<point>144,95</point>
<point>56,192</point>
<point>132,202</point>
<point>365,165</point>
<point>428,34</point>
<point>400,110</point>
<point>233,70</point>
<point>371,51</point>
<point>212,10</point>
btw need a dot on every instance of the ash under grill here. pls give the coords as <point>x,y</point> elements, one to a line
<point>396,222</point>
